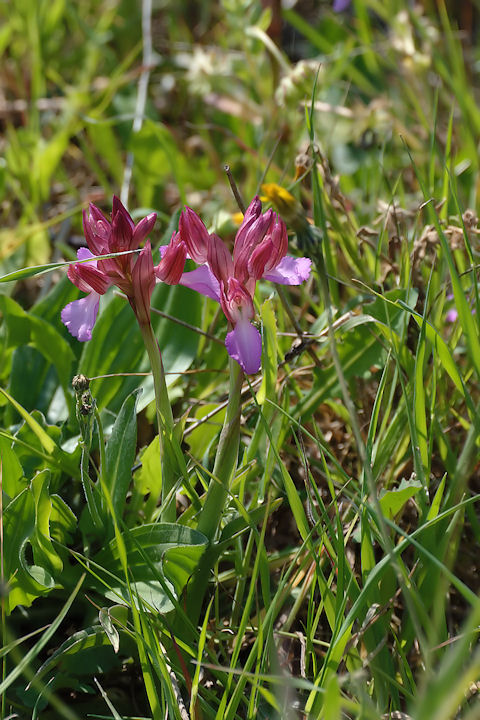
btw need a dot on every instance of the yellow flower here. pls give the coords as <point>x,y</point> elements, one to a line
<point>287,205</point>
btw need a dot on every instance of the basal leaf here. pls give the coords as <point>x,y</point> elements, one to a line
<point>120,454</point>
<point>161,558</point>
<point>12,472</point>
<point>23,583</point>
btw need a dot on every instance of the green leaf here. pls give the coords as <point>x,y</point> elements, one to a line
<point>12,472</point>
<point>161,559</point>
<point>82,648</point>
<point>109,628</point>
<point>25,328</point>
<point>120,453</point>
<point>393,501</point>
<point>43,551</point>
<point>148,480</point>
<point>37,518</point>
<point>24,583</point>
<point>38,444</point>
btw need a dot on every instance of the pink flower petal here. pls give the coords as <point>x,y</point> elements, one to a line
<point>170,268</point>
<point>219,259</point>
<point>143,282</point>
<point>244,344</point>
<point>144,228</point>
<point>203,281</point>
<point>79,316</point>
<point>290,271</point>
<point>87,276</point>
<point>194,233</point>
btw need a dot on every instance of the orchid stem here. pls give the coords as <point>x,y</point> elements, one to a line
<point>165,423</point>
<point>214,506</point>
<point>225,459</point>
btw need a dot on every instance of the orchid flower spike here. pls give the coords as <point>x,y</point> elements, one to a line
<point>133,274</point>
<point>260,251</point>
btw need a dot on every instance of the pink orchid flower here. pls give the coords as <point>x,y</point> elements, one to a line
<point>133,274</point>
<point>260,251</point>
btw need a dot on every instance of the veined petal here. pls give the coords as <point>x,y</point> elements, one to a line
<point>118,208</point>
<point>143,229</point>
<point>259,258</point>
<point>244,344</point>
<point>236,301</point>
<point>194,233</point>
<point>143,282</point>
<point>170,268</point>
<point>290,271</point>
<point>219,259</point>
<point>122,230</point>
<point>248,237</point>
<point>87,276</point>
<point>203,281</point>
<point>79,316</point>
<point>97,230</point>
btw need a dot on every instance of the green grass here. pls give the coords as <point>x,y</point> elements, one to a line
<point>344,581</point>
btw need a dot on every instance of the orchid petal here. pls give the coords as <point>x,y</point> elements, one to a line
<point>87,276</point>
<point>97,230</point>
<point>244,344</point>
<point>119,209</point>
<point>203,281</point>
<point>170,268</point>
<point>143,282</point>
<point>143,229</point>
<point>194,233</point>
<point>219,259</point>
<point>122,231</point>
<point>79,316</point>
<point>84,253</point>
<point>290,271</point>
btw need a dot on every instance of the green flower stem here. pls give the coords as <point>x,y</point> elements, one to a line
<point>165,424</point>
<point>213,508</point>
<point>225,459</point>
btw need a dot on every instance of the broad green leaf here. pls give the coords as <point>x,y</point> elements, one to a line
<point>202,436</point>
<point>36,649</point>
<point>12,472</point>
<point>120,454</point>
<point>393,501</point>
<point>25,328</point>
<point>359,350</point>
<point>384,308</point>
<point>35,518</point>
<point>269,353</point>
<point>437,500</point>
<point>161,558</point>
<point>333,699</point>
<point>25,582</point>
<point>43,551</point>
<point>148,480</point>
<point>79,653</point>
